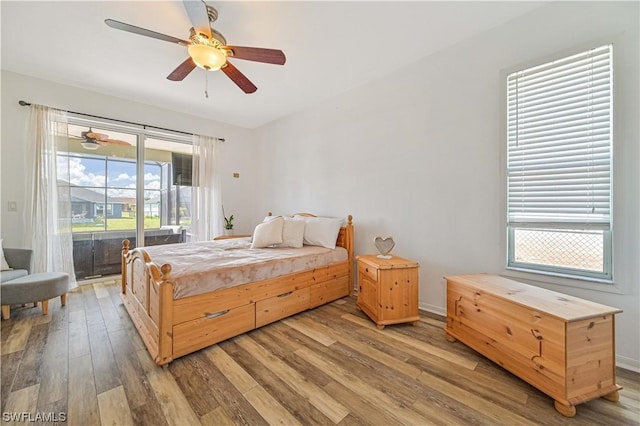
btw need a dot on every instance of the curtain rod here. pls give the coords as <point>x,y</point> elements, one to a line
<point>24,103</point>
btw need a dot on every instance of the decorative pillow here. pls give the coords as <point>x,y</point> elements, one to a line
<point>267,234</point>
<point>292,233</point>
<point>321,231</point>
<point>5,265</point>
<point>270,218</point>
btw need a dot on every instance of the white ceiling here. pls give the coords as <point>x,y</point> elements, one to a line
<point>331,47</point>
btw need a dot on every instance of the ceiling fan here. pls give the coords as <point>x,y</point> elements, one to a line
<point>208,48</point>
<point>92,140</point>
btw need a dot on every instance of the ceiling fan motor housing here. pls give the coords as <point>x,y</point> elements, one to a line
<point>215,36</point>
<point>212,13</point>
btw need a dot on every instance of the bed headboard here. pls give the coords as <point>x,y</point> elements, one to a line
<point>345,239</point>
<point>345,236</point>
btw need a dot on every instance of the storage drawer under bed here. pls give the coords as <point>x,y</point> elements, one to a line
<point>281,306</point>
<point>319,294</point>
<point>215,327</point>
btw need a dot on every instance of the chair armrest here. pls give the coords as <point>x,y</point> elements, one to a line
<point>19,258</point>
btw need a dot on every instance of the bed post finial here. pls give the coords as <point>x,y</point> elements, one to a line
<point>350,220</point>
<point>166,271</point>
<point>123,266</point>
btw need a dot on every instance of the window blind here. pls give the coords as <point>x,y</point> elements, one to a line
<point>559,141</point>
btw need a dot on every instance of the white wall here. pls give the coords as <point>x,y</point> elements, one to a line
<point>418,155</point>
<point>237,151</point>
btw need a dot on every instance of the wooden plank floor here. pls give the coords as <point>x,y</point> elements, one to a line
<point>325,366</point>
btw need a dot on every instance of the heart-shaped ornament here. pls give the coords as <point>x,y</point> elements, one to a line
<point>384,245</point>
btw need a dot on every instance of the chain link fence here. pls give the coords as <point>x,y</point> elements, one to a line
<point>561,248</point>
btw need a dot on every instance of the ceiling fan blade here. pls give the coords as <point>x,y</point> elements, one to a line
<point>197,11</point>
<point>238,78</point>
<point>145,32</point>
<point>269,56</point>
<point>182,70</point>
<point>96,136</point>
<point>113,142</point>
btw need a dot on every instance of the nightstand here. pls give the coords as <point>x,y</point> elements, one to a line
<point>388,289</point>
<point>228,237</point>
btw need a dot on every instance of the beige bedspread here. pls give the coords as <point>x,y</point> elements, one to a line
<point>211,265</point>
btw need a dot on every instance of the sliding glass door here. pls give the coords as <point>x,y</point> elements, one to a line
<point>126,183</point>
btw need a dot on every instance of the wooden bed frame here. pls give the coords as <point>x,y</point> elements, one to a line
<point>173,328</point>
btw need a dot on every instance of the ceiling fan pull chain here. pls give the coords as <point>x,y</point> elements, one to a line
<point>206,84</point>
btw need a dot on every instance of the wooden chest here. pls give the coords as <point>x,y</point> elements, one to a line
<point>388,289</point>
<point>562,345</point>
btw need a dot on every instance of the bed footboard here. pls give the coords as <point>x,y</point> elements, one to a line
<point>147,292</point>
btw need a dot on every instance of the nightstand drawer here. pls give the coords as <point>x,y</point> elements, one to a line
<point>368,271</point>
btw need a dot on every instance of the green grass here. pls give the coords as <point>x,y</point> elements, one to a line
<point>118,224</point>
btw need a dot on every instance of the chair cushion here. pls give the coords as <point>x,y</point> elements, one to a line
<point>36,287</point>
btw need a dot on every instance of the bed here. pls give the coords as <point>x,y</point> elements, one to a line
<point>175,316</point>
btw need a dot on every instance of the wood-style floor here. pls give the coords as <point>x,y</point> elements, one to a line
<point>325,366</point>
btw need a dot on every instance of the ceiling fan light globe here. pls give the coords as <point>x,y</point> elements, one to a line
<point>92,146</point>
<point>207,57</point>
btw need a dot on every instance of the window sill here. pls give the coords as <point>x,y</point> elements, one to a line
<point>547,278</point>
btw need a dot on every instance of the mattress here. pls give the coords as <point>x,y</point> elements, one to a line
<point>206,266</point>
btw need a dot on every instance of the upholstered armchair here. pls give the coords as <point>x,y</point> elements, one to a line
<point>20,260</point>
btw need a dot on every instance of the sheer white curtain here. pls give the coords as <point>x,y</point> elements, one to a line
<point>50,226</point>
<point>206,196</point>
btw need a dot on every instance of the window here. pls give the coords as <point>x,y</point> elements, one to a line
<point>559,141</point>
<point>104,184</point>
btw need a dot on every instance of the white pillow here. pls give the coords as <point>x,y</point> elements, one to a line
<point>5,265</point>
<point>321,231</point>
<point>267,234</point>
<point>292,233</point>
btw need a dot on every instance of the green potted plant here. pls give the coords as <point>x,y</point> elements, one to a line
<point>228,223</point>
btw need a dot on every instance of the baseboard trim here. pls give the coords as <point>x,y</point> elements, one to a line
<point>628,363</point>
<point>438,310</point>
<point>100,279</point>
